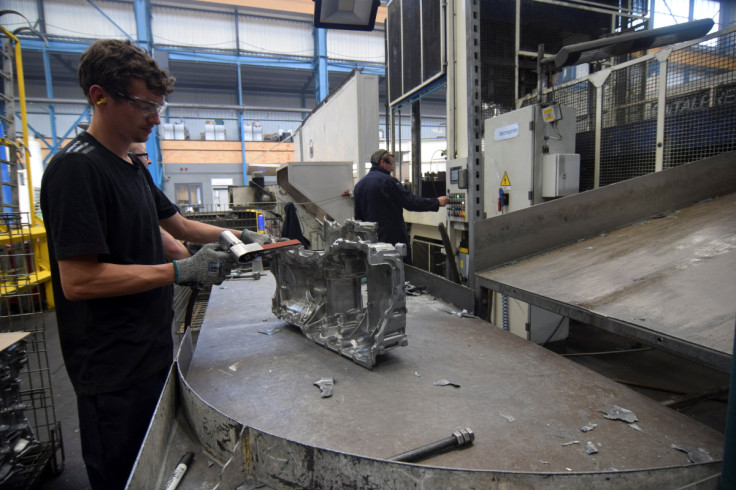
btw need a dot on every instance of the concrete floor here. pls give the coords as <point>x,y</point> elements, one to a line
<point>73,476</point>
<point>660,376</point>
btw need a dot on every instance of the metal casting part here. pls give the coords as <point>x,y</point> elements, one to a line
<point>352,230</point>
<point>321,292</point>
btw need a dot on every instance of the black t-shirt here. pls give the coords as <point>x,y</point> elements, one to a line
<point>93,202</point>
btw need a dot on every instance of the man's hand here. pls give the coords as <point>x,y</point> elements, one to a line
<point>252,237</point>
<point>443,200</point>
<point>208,266</point>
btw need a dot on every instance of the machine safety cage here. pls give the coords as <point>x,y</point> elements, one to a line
<point>662,109</point>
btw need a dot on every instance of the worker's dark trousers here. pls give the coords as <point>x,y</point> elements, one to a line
<point>112,427</point>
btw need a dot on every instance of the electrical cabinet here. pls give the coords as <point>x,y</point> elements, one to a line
<point>529,158</point>
<point>560,174</point>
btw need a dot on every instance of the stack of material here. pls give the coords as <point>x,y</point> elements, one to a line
<point>16,436</point>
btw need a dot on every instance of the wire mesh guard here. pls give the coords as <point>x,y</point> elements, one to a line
<point>30,436</point>
<point>633,132</point>
<point>700,112</point>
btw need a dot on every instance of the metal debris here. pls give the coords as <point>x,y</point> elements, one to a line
<point>271,330</point>
<point>234,367</point>
<point>460,314</point>
<point>696,454</point>
<point>590,448</point>
<point>416,373</point>
<point>413,290</point>
<point>614,412</point>
<point>636,427</point>
<point>570,443</point>
<point>444,382</point>
<point>510,418</point>
<point>325,386</point>
<point>588,427</point>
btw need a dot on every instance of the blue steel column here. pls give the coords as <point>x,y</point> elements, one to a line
<point>144,39</point>
<point>50,94</point>
<point>320,54</point>
<point>242,124</point>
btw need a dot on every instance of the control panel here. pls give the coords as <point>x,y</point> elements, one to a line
<point>456,210</point>
<point>457,185</point>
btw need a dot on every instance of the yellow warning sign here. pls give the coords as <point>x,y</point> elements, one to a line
<point>505,180</point>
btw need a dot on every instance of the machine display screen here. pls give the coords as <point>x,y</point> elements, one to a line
<point>454,175</point>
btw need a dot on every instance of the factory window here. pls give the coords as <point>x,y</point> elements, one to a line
<point>189,197</point>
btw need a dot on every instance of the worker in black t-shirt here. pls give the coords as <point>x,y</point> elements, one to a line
<point>112,282</point>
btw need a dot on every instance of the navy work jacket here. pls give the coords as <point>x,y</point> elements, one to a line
<point>381,198</point>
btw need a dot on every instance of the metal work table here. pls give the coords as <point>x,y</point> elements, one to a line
<point>525,404</point>
<point>652,258</point>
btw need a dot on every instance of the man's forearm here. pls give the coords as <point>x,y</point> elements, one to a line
<point>82,279</point>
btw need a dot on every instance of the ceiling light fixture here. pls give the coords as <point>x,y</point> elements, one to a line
<point>354,15</point>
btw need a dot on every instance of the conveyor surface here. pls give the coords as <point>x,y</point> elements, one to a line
<point>525,403</point>
<point>674,274</point>
<point>651,258</point>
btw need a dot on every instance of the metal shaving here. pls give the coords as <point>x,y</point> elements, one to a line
<point>444,382</point>
<point>460,314</point>
<point>507,417</point>
<point>271,330</point>
<point>413,290</point>
<point>590,448</point>
<point>325,386</point>
<point>570,443</point>
<point>588,427</point>
<point>696,454</point>
<point>614,412</point>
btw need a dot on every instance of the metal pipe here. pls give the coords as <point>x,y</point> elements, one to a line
<point>46,100</point>
<point>459,438</point>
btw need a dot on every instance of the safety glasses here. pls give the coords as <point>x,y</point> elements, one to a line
<point>144,105</point>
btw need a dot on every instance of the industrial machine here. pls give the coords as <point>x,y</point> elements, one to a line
<point>245,400</point>
<point>529,159</point>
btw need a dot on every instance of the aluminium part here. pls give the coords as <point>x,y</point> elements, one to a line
<point>353,230</point>
<point>322,293</point>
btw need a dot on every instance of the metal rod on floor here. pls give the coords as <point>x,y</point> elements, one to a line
<point>458,439</point>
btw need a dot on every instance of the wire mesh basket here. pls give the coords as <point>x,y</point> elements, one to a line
<point>39,448</point>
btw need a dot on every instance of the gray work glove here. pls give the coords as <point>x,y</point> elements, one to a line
<point>252,237</point>
<point>208,266</point>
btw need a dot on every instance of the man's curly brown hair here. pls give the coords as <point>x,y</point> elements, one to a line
<point>112,63</point>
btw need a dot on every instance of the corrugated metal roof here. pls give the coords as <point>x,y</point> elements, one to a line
<point>196,28</point>
<point>356,45</point>
<point>279,36</point>
<point>80,19</point>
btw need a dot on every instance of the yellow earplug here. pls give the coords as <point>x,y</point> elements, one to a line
<point>101,101</point>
